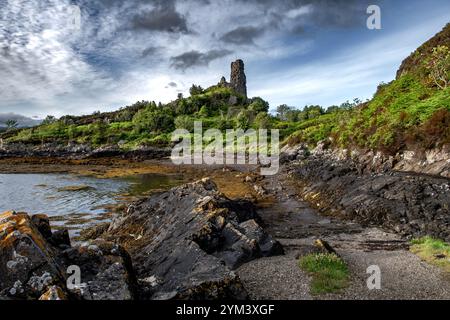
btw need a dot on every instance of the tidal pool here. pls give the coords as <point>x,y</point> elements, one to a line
<point>74,201</point>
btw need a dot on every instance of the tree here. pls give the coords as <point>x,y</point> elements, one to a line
<point>11,124</point>
<point>243,119</point>
<point>48,120</point>
<point>153,120</point>
<point>184,122</point>
<point>332,109</point>
<point>258,105</point>
<point>204,111</point>
<point>99,132</point>
<point>262,121</point>
<point>195,90</point>
<point>313,111</point>
<point>293,115</point>
<point>438,66</point>
<point>282,111</point>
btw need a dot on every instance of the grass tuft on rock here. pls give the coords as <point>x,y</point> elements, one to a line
<point>433,251</point>
<point>329,273</point>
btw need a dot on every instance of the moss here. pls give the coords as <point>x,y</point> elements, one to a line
<point>329,272</point>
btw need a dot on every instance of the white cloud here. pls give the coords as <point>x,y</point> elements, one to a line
<point>48,67</point>
<point>298,12</point>
<point>352,73</point>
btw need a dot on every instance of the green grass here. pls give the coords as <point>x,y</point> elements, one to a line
<point>433,251</point>
<point>329,272</point>
<point>407,113</point>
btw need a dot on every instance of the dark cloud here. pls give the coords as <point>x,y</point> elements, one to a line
<point>151,51</point>
<point>164,18</point>
<point>21,120</point>
<point>195,58</point>
<point>321,13</point>
<point>243,35</point>
<point>172,84</point>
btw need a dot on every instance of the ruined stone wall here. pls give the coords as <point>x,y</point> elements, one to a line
<point>238,80</point>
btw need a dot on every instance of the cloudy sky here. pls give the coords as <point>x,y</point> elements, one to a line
<point>298,52</point>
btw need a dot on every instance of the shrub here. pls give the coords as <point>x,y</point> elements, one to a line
<point>259,105</point>
<point>184,122</point>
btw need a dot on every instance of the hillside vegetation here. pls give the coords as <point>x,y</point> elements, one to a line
<point>412,111</point>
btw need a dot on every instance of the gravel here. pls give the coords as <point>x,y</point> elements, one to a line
<point>403,275</point>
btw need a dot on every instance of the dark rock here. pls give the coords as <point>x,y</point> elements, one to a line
<point>106,271</point>
<point>75,151</point>
<point>411,204</point>
<point>42,223</point>
<point>185,242</point>
<point>95,231</point>
<point>267,245</point>
<point>34,267</point>
<point>60,238</point>
<point>27,261</point>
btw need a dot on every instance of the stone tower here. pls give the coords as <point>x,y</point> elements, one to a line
<point>238,81</point>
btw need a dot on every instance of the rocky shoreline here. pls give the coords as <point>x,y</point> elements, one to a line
<point>77,152</point>
<point>409,203</point>
<point>187,243</point>
<point>180,244</point>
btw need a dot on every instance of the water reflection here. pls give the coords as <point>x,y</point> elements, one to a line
<point>76,201</point>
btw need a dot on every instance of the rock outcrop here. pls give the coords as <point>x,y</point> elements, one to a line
<point>184,243</point>
<point>77,151</point>
<point>180,244</point>
<point>411,204</point>
<point>28,264</point>
<point>34,262</point>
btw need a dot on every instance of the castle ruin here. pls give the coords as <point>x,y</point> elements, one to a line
<point>238,80</point>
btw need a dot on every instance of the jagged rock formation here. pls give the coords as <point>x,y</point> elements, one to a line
<point>238,80</point>
<point>34,262</point>
<point>410,204</point>
<point>182,244</point>
<point>188,240</point>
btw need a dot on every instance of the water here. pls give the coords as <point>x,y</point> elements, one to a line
<point>75,202</point>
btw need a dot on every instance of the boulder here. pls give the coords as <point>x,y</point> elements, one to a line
<point>34,263</point>
<point>106,271</point>
<point>28,264</point>
<point>184,243</point>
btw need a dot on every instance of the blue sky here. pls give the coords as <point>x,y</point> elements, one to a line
<point>296,52</point>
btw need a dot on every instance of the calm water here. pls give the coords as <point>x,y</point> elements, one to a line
<point>75,201</point>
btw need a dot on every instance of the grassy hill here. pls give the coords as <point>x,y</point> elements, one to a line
<point>412,111</point>
<point>150,124</point>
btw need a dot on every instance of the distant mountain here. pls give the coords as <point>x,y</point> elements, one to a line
<point>22,121</point>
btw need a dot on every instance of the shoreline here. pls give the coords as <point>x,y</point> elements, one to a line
<point>294,207</point>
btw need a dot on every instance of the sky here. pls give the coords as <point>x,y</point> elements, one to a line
<point>75,57</point>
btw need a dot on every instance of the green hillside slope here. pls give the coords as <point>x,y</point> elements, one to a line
<point>411,111</point>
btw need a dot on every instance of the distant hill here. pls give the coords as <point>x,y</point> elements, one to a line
<point>22,121</point>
